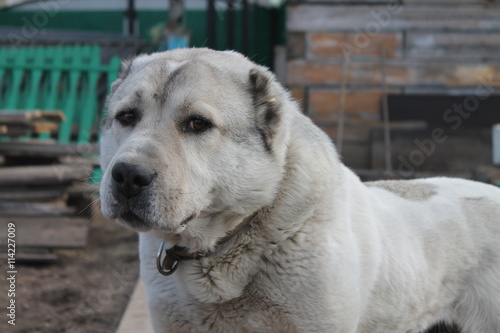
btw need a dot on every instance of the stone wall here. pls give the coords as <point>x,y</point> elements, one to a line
<point>431,47</point>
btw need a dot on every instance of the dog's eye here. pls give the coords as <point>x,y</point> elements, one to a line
<point>128,118</point>
<point>197,125</point>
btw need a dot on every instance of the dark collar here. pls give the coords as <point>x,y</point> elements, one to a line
<point>176,254</point>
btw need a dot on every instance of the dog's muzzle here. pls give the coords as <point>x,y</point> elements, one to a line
<point>129,180</point>
<point>131,187</point>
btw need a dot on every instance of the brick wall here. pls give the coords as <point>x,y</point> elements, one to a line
<point>431,47</point>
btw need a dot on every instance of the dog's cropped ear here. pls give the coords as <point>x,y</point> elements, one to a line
<point>266,105</point>
<point>124,70</point>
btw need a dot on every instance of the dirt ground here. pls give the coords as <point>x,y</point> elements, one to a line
<point>84,291</point>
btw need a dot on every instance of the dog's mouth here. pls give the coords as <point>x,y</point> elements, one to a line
<point>134,221</point>
<point>137,223</point>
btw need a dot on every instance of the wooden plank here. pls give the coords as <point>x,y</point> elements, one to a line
<point>47,149</point>
<point>43,175</point>
<point>35,255</point>
<point>30,194</point>
<point>136,317</point>
<point>14,117</point>
<point>333,44</point>
<point>39,127</point>
<point>16,129</point>
<point>400,72</point>
<point>392,18</point>
<point>22,129</point>
<point>50,232</point>
<point>23,116</point>
<point>35,209</point>
<point>473,46</point>
<point>54,116</point>
<point>367,73</point>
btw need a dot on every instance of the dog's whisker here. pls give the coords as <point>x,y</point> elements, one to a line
<point>88,206</point>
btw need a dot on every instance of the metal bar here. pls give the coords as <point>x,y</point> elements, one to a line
<point>275,28</point>
<point>131,16</point>
<point>230,26</point>
<point>211,27</point>
<point>245,48</point>
<point>341,107</point>
<point>176,14</point>
<point>385,114</point>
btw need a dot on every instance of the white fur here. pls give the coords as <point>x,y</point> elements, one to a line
<point>325,253</point>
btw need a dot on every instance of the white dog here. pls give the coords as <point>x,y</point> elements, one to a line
<point>266,229</point>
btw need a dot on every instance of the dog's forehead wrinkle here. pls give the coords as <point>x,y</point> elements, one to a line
<point>132,101</point>
<point>138,95</point>
<point>151,72</point>
<point>176,81</point>
<point>131,91</point>
<point>164,73</point>
<point>199,73</point>
<point>136,100</point>
<point>193,101</point>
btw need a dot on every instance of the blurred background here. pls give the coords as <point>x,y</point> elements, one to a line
<point>405,89</point>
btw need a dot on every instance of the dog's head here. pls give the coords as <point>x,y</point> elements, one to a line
<point>188,134</point>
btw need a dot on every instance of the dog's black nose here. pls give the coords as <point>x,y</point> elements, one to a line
<point>130,179</point>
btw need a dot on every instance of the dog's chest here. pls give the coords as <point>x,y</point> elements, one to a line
<point>250,312</point>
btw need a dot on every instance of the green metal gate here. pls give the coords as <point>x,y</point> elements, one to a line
<point>63,78</point>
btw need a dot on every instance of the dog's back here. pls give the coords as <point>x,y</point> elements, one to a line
<point>443,235</point>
